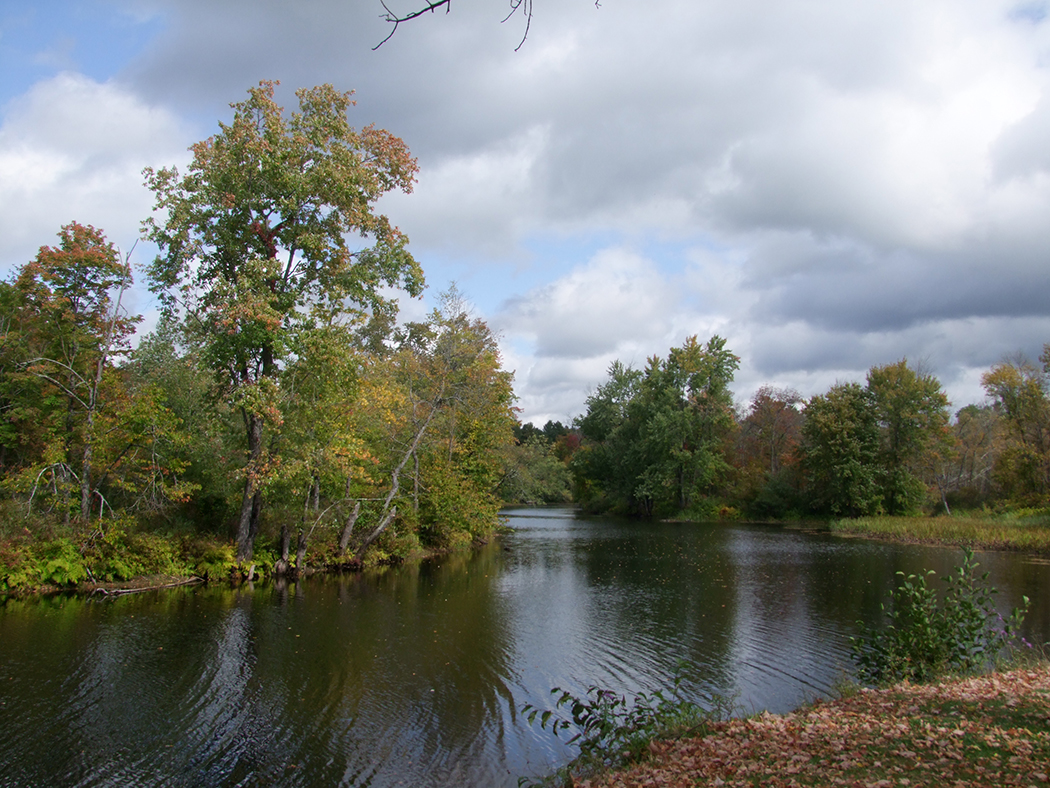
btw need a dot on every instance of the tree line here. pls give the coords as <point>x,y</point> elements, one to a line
<point>669,441</point>
<point>278,394</point>
<point>278,397</point>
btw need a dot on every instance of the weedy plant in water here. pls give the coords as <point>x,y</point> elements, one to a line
<point>611,731</point>
<point>928,638</point>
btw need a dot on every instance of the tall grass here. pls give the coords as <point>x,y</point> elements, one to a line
<point>1029,532</point>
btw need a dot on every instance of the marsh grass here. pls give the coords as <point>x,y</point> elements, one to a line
<point>1028,532</point>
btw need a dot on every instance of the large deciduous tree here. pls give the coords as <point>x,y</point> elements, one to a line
<point>657,438</point>
<point>912,411</point>
<point>841,434</point>
<point>1019,392</point>
<point>255,244</point>
<point>67,325</point>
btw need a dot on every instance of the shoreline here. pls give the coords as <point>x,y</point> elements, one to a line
<point>988,730</point>
<point>1030,535</point>
<point>237,576</point>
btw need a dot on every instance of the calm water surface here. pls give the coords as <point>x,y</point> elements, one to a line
<point>415,676</point>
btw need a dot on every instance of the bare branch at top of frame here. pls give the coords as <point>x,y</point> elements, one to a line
<point>396,20</point>
<point>525,6</point>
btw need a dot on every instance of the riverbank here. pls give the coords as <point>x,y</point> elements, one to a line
<point>1030,534</point>
<point>120,562</point>
<point>991,730</point>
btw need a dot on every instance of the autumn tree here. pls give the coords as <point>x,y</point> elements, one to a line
<point>441,418</point>
<point>65,324</point>
<point>255,241</point>
<point>1019,393</point>
<point>766,450</point>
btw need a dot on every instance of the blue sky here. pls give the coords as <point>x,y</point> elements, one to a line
<point>829,186</point>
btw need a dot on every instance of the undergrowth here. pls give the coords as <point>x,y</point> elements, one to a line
<point>609,731</point>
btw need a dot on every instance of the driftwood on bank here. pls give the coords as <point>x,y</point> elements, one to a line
<point>158,587</point>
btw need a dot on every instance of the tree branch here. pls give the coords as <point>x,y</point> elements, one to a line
<point>525,6</point>
<point>395,20</point>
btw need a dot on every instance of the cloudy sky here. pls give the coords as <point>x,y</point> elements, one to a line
<point>828,185</point>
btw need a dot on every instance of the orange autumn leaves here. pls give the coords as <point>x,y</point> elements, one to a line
<point>985,731</point>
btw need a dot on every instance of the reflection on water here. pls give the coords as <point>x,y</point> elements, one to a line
<point>415,676</point>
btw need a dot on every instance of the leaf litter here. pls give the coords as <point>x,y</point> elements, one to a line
<point>990,730</point>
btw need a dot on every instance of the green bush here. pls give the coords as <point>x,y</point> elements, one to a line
<point>217,562</point>
<point>927,638</point>
<point>611,731</point>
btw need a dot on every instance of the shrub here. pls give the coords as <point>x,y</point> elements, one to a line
<point>927,638</point>
<point>612,731</point>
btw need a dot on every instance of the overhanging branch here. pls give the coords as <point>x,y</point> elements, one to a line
<point>395,19</point>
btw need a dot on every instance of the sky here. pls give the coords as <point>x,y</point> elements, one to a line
<point>828,186</point>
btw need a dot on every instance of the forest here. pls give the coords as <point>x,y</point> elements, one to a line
<point>279,412</point>
<point>280,416</point>
<point>669,441</point>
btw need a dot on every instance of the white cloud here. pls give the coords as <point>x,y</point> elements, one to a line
<point>829,186</point>
<point>72,149</point>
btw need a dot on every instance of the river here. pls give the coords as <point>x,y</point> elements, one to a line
<point>416,675</point>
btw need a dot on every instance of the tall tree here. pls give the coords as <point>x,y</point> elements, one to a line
<point>912,411</point>
<point>841,433</point>
<point>71,325</point>
<point>254,245</point>
<point>767,452</point>
<point>442,444</point>
<point>658,437</point>
<point>1019,392</point>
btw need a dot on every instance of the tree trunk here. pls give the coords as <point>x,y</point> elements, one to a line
<point>300,552</point>
<point>383,523</point>
<point>251,501</point>
<point>282,566</point>
<point>85,476</point>
<point>348,528</point>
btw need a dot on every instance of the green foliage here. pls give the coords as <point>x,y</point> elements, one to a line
<point>55,562</point>
<point>841,451</point>
<point>1019,392</point>
<point>655,441</point>
<point>62,564</point>
<point>217,562</point>
<point>533,473</point>
<point>927,638</point>
<point>255,251</point>
<point>610,731</point>
<point>912,412</point>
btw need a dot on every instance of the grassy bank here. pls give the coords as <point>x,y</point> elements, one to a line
<point>988,730</point>
<point>1029,533</point>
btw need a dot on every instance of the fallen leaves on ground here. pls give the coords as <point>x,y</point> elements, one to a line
<point>989,730</point>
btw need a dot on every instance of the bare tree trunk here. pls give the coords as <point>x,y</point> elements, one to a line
<point>300,552</point>
<point>415,486</point>
<point>383,523</point>
<point>282,566</point>
<point>251,501</point>
<point>388,512</point>
<point>348,527</point>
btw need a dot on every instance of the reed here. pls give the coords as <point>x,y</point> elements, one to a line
<point>1028,532</point>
